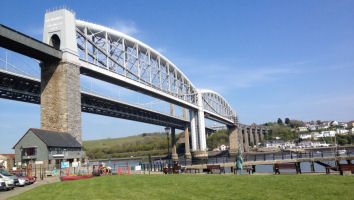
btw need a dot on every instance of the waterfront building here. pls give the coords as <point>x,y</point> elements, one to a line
<point>40,146</point>
<point>274,143</point>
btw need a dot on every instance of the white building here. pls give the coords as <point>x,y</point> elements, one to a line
<point>222,147</point>
<point>310,144</point>
<point>305,136</point>
<point>313,127</point>
<point>343,124</point>
<point>290,145</point>
<point>328,133</point>
<point>274,143</point>
<point>323,127</point>
<point>302,129</point>
<point>342,131</point>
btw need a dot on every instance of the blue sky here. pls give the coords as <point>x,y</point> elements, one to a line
<point>269,59</point>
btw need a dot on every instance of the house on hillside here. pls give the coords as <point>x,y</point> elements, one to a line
<point>350,124</point>
<point>342,131</point>
<point>302,129</point>
<point>305,136</point>
<point>47,147</point>
<point>328,133</point>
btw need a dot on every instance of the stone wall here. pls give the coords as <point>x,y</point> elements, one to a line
<point>61,98</point>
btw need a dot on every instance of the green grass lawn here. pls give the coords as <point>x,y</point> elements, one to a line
<point>199,187</point>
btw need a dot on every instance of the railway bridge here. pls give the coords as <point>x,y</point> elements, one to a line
<point>71,47</point>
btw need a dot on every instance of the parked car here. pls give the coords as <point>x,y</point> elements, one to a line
<point>22,181</point>
<point>9,183</point>
<point>6,174</point>
<point>29,178</point>
<point>2,184</point>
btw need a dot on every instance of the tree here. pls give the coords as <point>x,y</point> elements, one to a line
<point>295,123</point>
<point>280,122</point>
<point>318,122</point>
<point>287,121</point>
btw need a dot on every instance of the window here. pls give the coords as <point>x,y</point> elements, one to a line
<point>29,151</point>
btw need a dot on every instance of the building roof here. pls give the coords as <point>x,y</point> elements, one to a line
<point>11,156</point>
<point>54,138</point>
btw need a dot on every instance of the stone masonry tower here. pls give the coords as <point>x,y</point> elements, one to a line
<point>60,81</point>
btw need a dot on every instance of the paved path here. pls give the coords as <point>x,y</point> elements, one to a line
<point>19,190</point>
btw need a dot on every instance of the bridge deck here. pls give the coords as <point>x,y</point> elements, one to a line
<point>26,45</point>
<point>23,88</point>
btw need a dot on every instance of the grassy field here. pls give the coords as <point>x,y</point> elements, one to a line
<point>199,187</point>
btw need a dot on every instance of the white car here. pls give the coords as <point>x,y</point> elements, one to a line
<point>2,184</point>
<point>10,183</point>
<point>22,182</point>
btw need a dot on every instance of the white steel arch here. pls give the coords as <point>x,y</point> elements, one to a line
<point>215,103</point>
<point>124,55</point>
<point>119,54</point>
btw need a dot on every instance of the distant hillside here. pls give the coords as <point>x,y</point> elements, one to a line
<point>143,145</point>
<point>140,145</point>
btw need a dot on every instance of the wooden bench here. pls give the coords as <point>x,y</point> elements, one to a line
<point>277,167</point>
<point>249,170</point>
<point>176,169</point>
<point>172,170</point>
<point>346,168</point>
<point>211,168</point>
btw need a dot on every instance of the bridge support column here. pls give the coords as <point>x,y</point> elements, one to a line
<point>61,98</point>
<point>233,140</point>
<point>256,135</point>
<point>193,130</point>
<point>240,138</point>
<point>201,153</point>
<point>245,134</point>
<point>251,137</point>
<point>186,137</point>
<point>261,134</point>
<point>60,82</point>
<point>174,148</point>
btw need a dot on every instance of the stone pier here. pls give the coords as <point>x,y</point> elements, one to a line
<point>240,139</point>
<point>261,134</point>
<point>233,139</point>
<point>251,136</point>
<point>186,137</point>
<point>61,98</point>
<point>174,146</point>
<point>246,138</point>
<point>256,136</point>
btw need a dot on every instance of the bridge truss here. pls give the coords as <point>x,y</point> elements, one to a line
<point>129,59</point>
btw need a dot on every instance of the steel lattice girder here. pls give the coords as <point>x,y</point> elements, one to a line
<point>136,62</point>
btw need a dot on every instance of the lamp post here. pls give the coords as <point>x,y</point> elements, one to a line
<point>167,131</point>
